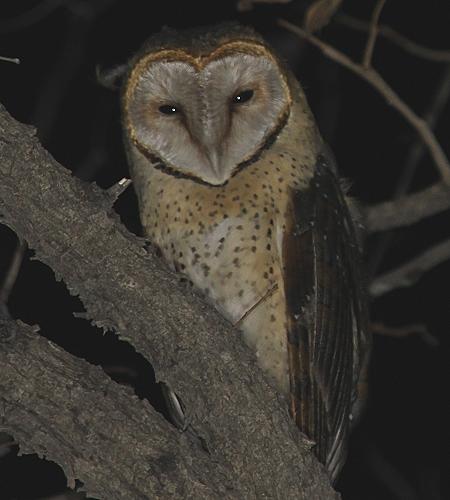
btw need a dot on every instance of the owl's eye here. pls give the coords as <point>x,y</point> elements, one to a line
<point>168,109</point>
<point>243,96</point>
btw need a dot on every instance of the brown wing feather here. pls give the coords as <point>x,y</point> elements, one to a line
<point>325,313</point>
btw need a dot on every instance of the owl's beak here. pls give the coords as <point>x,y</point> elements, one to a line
<point>214,160</point>
<point>216,167</point>
<point>210,141</point>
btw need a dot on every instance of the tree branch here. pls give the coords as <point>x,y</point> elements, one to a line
<point>409,273</point>
<point>14,60</point>
<point>241,420</point>
<point>408,209</point>
<point>415,49</point>
<point>376,81</point>
<point>405,331</point>
<point>438,102</point>
<point>368,52</point>
<point>70,412</point>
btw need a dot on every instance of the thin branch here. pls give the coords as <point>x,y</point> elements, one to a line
<point>405,331</point>
<point>373,32</point>
<point>117,189</point>
<point>373,78</point>
<point>408,209</point>
<point>439,99</point>
<point>408,274</point>
<point>413,48</point>
<point>14,60</point>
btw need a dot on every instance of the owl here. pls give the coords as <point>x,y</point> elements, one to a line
<point>240,194</point>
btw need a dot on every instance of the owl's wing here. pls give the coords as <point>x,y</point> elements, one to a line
<point>325,313</point>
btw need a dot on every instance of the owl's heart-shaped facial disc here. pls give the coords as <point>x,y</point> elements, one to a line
<point>206,115</point>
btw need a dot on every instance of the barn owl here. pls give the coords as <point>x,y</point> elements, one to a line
<point>239,192</point>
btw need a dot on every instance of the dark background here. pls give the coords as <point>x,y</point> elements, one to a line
<point>400,447</point>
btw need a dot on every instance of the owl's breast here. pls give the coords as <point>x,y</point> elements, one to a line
<point>226,240</point>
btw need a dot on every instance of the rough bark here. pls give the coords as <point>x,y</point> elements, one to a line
<point>71,412</point>
<point>243,424</point>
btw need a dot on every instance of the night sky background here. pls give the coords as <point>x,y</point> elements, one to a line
<point>399,451</point>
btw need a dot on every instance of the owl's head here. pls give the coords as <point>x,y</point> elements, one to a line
<point>204,104</point>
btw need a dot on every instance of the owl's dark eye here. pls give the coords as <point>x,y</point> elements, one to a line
<point>168,109</point>
<point>243,96</point>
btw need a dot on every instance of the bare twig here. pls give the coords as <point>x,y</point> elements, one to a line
<point>438,102</point>
<point>374,78</point>
<point>409,273</point>
<point>405,331</point>
<point>117,189</point>
<point>373,32</point>
<point>409,209</point>
<point>413,48</point>
<point>14,60</point>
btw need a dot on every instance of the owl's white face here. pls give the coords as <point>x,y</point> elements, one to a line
<point>205,117</point>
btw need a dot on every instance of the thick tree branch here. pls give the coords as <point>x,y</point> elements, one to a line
<point>70,412</point>
<point>377,82</point>
<point>241,420</point>
<point>408,209</point>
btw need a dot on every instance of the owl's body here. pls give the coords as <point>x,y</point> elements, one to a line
<point>226,211</point>
<point>227,240</point>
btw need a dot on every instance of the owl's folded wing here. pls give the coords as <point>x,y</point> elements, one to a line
<point>325,313</point>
